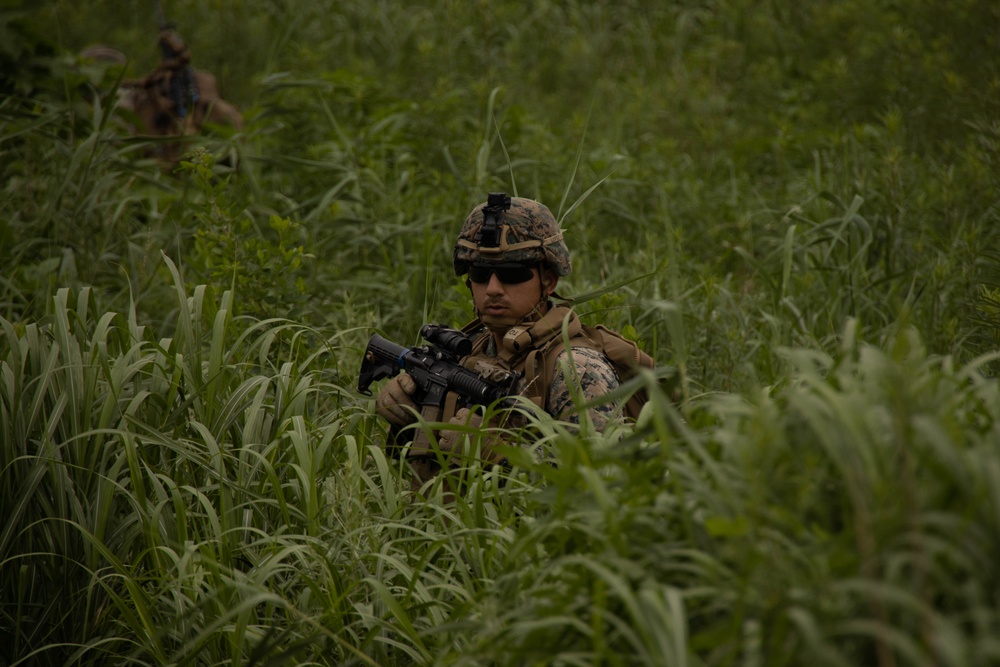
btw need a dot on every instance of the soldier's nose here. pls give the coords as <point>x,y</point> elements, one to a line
<point>494,286</point>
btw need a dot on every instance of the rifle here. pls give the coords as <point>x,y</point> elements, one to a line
<point>435,370</point>
<point>161,18</point>
<point>443,385</point>
<point>183,85</point>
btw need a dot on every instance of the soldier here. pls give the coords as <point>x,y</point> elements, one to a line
<point>513,254</point>
<point>173,100</point>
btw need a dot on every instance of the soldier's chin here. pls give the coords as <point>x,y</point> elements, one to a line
<point>498,322</point>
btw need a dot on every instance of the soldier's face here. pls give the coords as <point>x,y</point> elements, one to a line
<point>509,301</point>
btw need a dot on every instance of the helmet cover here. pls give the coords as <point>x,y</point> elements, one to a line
<point>523,231</point>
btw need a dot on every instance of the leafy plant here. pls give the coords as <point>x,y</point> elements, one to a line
<point>228,247</point>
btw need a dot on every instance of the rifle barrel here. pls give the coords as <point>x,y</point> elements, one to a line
<point>160,17</point>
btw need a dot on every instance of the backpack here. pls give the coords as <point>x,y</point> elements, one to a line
<point>624,354</point>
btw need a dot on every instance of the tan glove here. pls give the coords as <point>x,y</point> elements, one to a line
<point>452,441</point>
<point>395,400</point>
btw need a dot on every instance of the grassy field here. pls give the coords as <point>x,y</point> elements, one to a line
<point>794,206</point>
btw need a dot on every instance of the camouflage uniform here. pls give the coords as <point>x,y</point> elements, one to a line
<point>595,377</point>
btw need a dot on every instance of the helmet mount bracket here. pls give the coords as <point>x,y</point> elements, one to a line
<point>489,234</point>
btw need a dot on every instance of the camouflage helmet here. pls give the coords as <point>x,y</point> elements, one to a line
<point>511,229</point>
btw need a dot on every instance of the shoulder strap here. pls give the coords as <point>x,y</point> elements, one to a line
<point>475,330</point>
<point>540,364</point>
<point>521,339</point>
<point>621,350</point>
<point>472,327</point>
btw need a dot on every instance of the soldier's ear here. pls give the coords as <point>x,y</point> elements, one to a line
<point>549,280</point>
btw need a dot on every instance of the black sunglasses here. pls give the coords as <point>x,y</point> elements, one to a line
<point>508,274</point>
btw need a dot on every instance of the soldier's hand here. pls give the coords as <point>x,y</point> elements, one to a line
<point>454,438</point>
<point>395,400</point>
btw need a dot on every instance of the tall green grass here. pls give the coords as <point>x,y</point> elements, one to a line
<point>143,475</point>
<point>207,497</point>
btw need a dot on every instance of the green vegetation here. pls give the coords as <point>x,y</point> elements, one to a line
<point>808,194</point>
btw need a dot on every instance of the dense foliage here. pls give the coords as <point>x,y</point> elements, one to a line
<point>795,205</point>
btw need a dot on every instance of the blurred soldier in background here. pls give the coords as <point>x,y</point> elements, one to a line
<point>173,100</point>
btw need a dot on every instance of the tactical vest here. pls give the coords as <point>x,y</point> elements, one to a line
<point>533,348</point>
